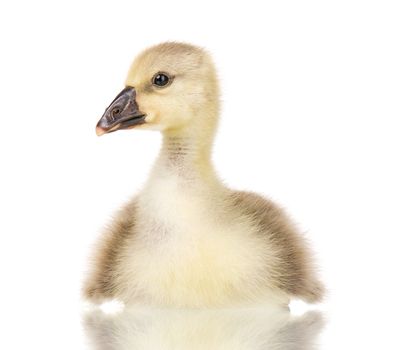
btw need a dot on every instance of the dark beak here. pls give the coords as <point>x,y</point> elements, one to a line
<point>122,113</point>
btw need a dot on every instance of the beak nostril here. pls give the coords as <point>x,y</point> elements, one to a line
<point>115,111</point>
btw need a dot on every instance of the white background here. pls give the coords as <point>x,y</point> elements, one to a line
<point>312,110</point>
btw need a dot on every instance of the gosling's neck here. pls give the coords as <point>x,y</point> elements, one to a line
<point>186,154</point>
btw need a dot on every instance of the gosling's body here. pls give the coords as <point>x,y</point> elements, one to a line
<point>188,240</point>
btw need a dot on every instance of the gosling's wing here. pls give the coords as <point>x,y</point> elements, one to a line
<point>293,270</point>
<point>101,280</point>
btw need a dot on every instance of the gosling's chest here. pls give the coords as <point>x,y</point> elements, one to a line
<point>171,206</point>
<point>187,250</point>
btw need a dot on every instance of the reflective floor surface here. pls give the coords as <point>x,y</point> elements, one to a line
<point>248,328</point>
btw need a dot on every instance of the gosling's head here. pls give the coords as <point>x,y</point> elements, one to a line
<point>170,87</point>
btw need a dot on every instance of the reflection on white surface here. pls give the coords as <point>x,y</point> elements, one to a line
<point>252,328</point>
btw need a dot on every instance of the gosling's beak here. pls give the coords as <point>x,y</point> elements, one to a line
<point>122,113</point>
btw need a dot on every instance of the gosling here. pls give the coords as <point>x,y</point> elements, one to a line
<point>186,240</point>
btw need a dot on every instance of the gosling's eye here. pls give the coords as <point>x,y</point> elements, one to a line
<point>161,79</point>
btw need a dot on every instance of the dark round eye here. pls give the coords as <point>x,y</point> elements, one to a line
<point>161,79</point>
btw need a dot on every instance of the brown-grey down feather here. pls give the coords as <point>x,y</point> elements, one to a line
<point>295,273</point>
<point>100,283</point>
